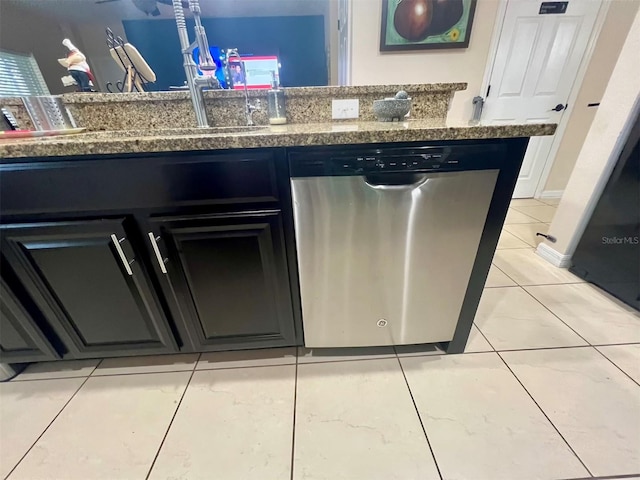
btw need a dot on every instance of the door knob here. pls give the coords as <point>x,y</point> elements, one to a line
<point>559,107</point>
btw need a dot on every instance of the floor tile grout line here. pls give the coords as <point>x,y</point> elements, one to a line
<point>558,317</point>
<point>96,367</point>
<point>505,226</point>
<point>534,220</point>
<point>47,427</point>
<point>506,229</point>
<point>293,430</point>
<point>530,247</point>
<point>382,356</point>
<point>189,369</point>
<point>485,337</point>
<point>528,214</point>
<point>389,355</point>
<point>545,414</point>
<point>503,272</point>
<point>596,345</point>
<point>581,282</point>
<point>424,430</point>
<point>17,379</point>
<point>617,366</point>
<point>173,417</point>
<point>552,313</point>
<point>527,246</point>
<point>128,374</point>
<point>529,198</point>
<point>607,477</point>
<point>532,349</point>
<point>370,357</point>
<point>535,349</point>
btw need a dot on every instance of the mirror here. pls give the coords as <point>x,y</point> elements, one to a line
<point>302,34</point>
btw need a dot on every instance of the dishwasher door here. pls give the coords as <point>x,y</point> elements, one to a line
<point>387,264</point>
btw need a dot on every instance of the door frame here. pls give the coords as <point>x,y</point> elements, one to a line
<point>573,94</point>
<point>345,41</point>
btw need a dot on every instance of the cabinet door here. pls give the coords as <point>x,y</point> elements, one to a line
<point>226,278</point>
<point>21,340</point>
<point>90,285</point>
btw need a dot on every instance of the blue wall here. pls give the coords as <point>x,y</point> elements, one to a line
<point>298,41</point>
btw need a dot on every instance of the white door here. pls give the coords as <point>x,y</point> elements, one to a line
<point>534,71</point>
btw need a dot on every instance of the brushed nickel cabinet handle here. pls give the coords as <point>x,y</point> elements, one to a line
<point>125,263</point>
<point>156,250</point>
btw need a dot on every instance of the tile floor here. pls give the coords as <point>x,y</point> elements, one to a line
<point>548,388</point>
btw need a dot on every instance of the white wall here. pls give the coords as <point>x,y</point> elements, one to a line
<point>614,31</point>
<point>24,31</point>
<point>369,66</point>
<point>600,150</point>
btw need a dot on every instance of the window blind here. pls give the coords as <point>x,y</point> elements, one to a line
<point>20,76</point>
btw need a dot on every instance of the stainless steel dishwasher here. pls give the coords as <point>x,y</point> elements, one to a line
<point>386,240</point>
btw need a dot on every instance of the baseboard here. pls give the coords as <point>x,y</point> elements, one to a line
<point>551,194</point>
<point>553,257</point>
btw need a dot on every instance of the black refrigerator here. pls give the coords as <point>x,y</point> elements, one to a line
<point>608,254</point>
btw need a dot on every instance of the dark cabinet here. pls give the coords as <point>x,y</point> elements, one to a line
<point>225,277</point>
<point>144,254</point>
<point>21,340</point>
<point>90,284</point>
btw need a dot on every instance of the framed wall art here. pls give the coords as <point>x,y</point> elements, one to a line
<point>426,24</point>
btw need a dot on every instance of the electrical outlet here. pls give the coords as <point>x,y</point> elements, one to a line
<point>342,109</point>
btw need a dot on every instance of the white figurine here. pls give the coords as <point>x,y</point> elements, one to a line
<point>76,64</point>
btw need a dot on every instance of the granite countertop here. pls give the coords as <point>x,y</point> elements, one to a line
<point>190,139</point>
<point>326,91</point>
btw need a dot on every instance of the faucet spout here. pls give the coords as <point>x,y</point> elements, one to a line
<point>206,62</point>
<point>248,107</point>
<point>195,82</point>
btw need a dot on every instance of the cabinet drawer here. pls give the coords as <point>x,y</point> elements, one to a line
<point>117,184</point>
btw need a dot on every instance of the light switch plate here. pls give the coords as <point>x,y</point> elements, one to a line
<point>342,109</point>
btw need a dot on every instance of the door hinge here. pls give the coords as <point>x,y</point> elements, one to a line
<point>488,90</point>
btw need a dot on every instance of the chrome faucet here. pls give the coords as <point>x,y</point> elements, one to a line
<point>248,107</point>
<point>195,82</point>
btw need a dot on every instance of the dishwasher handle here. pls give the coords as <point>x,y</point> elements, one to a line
<point>396,181</point>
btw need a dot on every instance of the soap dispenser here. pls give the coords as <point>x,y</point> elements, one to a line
<point>276,102</point>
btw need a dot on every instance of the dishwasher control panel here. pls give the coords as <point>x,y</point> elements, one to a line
<point>391,163</point>
<point>340,162</point>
